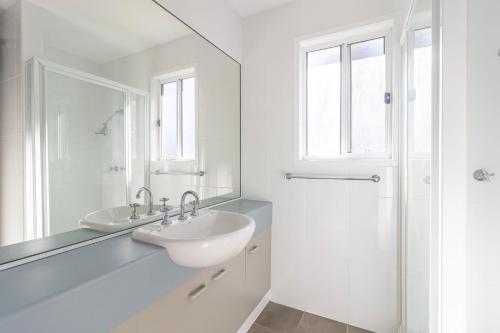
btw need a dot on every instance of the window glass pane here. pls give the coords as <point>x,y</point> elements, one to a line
<point>323,103</point>
<point>368,109</point>
<point>421,98</point>
<point>188,118</point>
<point>169,119</point>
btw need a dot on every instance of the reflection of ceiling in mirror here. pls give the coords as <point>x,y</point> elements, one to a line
<point>102,31</point>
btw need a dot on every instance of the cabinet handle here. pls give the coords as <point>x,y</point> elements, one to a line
<point>197,292</point>
<point>253,249</point>
<point>219,274</point>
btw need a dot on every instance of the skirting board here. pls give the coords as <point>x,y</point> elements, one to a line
<point>255,313</point>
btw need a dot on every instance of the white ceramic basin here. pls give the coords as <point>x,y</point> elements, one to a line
<point>117,218</point>
<point>209,239</point>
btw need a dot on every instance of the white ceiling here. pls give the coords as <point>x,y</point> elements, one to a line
<point>246,8</point>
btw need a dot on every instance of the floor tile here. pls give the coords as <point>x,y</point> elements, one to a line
<point>279,318</point>
<point>353,329</point>
<point>315,324</point>
<point>259,329</point>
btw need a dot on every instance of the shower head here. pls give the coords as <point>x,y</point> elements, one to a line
<point>103,130</point>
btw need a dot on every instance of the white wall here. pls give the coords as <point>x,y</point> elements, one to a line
<point>214,19</point>
<point>483,122</point>
<point>334,243</point>
<point>450,239</point>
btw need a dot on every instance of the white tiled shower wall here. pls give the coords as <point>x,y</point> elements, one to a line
<point>335,243</point>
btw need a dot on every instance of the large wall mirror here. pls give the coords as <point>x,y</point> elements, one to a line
<point>100,98</point>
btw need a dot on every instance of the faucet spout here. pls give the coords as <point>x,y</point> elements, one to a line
<point>195,203</point>
<point>150,196</point>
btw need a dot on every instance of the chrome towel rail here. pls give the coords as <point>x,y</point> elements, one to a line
<point>178,173</point>
<point>289,176</point>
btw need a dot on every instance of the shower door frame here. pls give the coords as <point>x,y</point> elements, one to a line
<point>36,198</point>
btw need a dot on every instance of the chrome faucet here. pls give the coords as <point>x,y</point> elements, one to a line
<point>165,210</point>
<point>194,212</point>
<point>138,195</point>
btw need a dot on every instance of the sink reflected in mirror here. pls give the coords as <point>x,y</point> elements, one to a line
<point>206,240</point>
<point>119,218</point>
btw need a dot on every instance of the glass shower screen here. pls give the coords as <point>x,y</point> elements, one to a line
<point>86,153</point>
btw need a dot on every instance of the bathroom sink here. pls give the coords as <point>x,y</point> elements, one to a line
<point>117,218</point>
<point>206,240</point>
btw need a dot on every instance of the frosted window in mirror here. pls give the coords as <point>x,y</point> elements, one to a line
<point>368,86</point>
<point>188,118</point>
<point>169,119</point>
<point>323,103</point>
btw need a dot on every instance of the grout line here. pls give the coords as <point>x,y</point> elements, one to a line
<point>300,320</point>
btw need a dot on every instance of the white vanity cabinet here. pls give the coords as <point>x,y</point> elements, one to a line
<point>217,300</point>
<point>258,269</point>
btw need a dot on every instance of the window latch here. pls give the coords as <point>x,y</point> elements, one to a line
<point>387,98</point>
<point>158,123</point>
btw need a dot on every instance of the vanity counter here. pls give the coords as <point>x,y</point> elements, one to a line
<point>96,287</point>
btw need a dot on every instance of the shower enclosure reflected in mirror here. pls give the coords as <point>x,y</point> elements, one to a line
<point>103,105</point>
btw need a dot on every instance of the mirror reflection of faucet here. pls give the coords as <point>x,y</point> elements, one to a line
<point>134,215</point>
<point>150,195</point>
<point>165,209</point>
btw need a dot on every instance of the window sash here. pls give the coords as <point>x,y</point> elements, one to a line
<point>180,137</point>
<point>346,121</point>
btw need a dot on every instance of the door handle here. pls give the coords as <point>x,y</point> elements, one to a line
<point>253,249</point>
<point>197,291</point>
<point>219,274</point>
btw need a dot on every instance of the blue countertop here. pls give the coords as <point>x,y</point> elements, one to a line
<point>96,287</point>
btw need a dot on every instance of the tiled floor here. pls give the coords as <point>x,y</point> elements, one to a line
<point>278,318</point>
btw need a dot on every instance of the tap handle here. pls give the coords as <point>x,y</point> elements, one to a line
<point>164,207</point>
<point>194,211</point>
<point>134,209</point>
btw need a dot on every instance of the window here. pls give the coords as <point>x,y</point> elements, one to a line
<point>177,117</point>
<point>346,97</point>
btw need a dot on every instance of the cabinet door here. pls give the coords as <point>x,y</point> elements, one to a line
<point>179,311</point>
<point>258,268</point>
<point>227,294</point>
<point>211,302</point>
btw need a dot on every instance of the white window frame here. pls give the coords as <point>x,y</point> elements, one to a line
<point>343,39</point>
<point>156,84</point>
